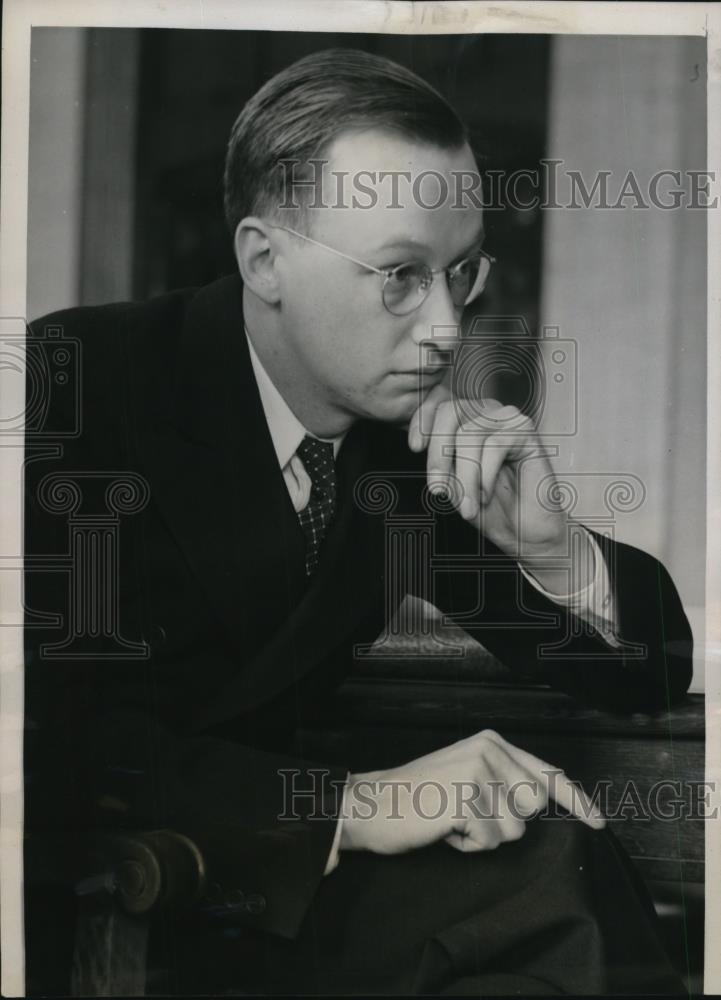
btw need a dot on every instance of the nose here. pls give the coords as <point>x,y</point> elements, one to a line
<point>436,323</point>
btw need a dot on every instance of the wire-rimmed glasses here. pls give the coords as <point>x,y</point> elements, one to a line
<point>406,286</point>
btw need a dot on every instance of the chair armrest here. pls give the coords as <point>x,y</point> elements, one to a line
<point>145,872</point>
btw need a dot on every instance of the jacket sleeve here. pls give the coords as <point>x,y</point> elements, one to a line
<point>263,822</point>
<point>543,642</point>
<point>104,749</point>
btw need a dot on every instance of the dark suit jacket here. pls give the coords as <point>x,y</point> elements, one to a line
<point>242,651</point>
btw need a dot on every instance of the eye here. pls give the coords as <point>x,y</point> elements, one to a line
<point>402,274</point>
<point>405,287</point>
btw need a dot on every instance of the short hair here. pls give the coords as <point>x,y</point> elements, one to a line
<point>301,110</point>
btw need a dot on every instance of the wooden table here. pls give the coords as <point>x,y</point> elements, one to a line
<point>648,769</point>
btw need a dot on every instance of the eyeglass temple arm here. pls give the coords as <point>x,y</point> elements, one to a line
<point>324,246</point>
<point>369,267</point>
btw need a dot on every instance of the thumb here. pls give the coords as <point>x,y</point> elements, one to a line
<point>421,423</point>
<point>475,834</point>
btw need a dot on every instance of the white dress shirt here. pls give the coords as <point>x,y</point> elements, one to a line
<point>594,603</point>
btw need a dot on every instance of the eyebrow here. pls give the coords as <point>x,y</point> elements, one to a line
<point>407,241</point>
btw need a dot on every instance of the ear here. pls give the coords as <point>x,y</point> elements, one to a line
<point>256,259</point>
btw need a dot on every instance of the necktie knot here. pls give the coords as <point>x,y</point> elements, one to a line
<point>318,460</point>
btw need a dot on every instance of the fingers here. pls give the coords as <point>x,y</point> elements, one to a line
<point>482,449</point>
<point>440,448</point>
<point>573,798</point>
<point>528,797</point>
<point>479,835</point>
<point>516,792</point>
<point>469,475</point>
<point>555,782</point>
<point>495,453</point>
<point>490,826</point>
<point>421,424</point>
<point>479,459</point>
<point>474,452</point>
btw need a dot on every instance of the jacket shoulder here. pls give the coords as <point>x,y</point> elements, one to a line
<point>97,323</point>
<point>88,361</point>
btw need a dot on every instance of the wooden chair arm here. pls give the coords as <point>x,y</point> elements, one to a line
<point>122,881</point>
<point>146,871</point>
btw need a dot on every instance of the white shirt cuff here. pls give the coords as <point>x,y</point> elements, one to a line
<point>334,856</point>
<point>594,603</point>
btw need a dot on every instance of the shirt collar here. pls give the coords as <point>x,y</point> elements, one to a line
<point>286,430</point>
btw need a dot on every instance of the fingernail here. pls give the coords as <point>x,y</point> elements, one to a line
<point>468,509</point>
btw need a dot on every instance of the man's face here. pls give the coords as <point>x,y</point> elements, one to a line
<point>359,359</point>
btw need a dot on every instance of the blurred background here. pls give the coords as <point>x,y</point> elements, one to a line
<point>127,139</point>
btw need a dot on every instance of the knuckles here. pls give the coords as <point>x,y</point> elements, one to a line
<point>445,406</point>
<point>495,419</point>
<point>515,830</point>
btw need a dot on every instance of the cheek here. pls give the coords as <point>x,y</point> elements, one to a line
<point>350,338</point>
<point>325,305</point>
<point>342,322</point>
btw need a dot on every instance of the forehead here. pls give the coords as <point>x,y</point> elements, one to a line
<point>380,188</point>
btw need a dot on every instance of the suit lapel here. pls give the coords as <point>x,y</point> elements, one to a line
<point>214,475</point>
<point>212,469</point>
<point>337,597</point>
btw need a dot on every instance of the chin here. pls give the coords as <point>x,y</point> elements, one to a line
<point>396,410</point>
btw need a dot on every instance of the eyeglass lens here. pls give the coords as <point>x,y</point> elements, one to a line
<point>406,286</point>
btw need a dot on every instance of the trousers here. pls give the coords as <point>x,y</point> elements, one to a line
<point>562,910</point>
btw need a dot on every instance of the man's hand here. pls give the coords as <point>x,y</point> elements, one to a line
<point>475,795</point>
<point>489,459</point>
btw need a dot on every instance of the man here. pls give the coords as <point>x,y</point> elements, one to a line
<point>260,414</point>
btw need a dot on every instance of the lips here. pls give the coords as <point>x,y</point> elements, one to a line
<point>423,372</point>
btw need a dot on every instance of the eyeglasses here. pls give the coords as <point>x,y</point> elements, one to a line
<point>406,286</point>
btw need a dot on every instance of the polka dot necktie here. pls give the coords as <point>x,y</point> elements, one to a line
<point>317,458</point>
